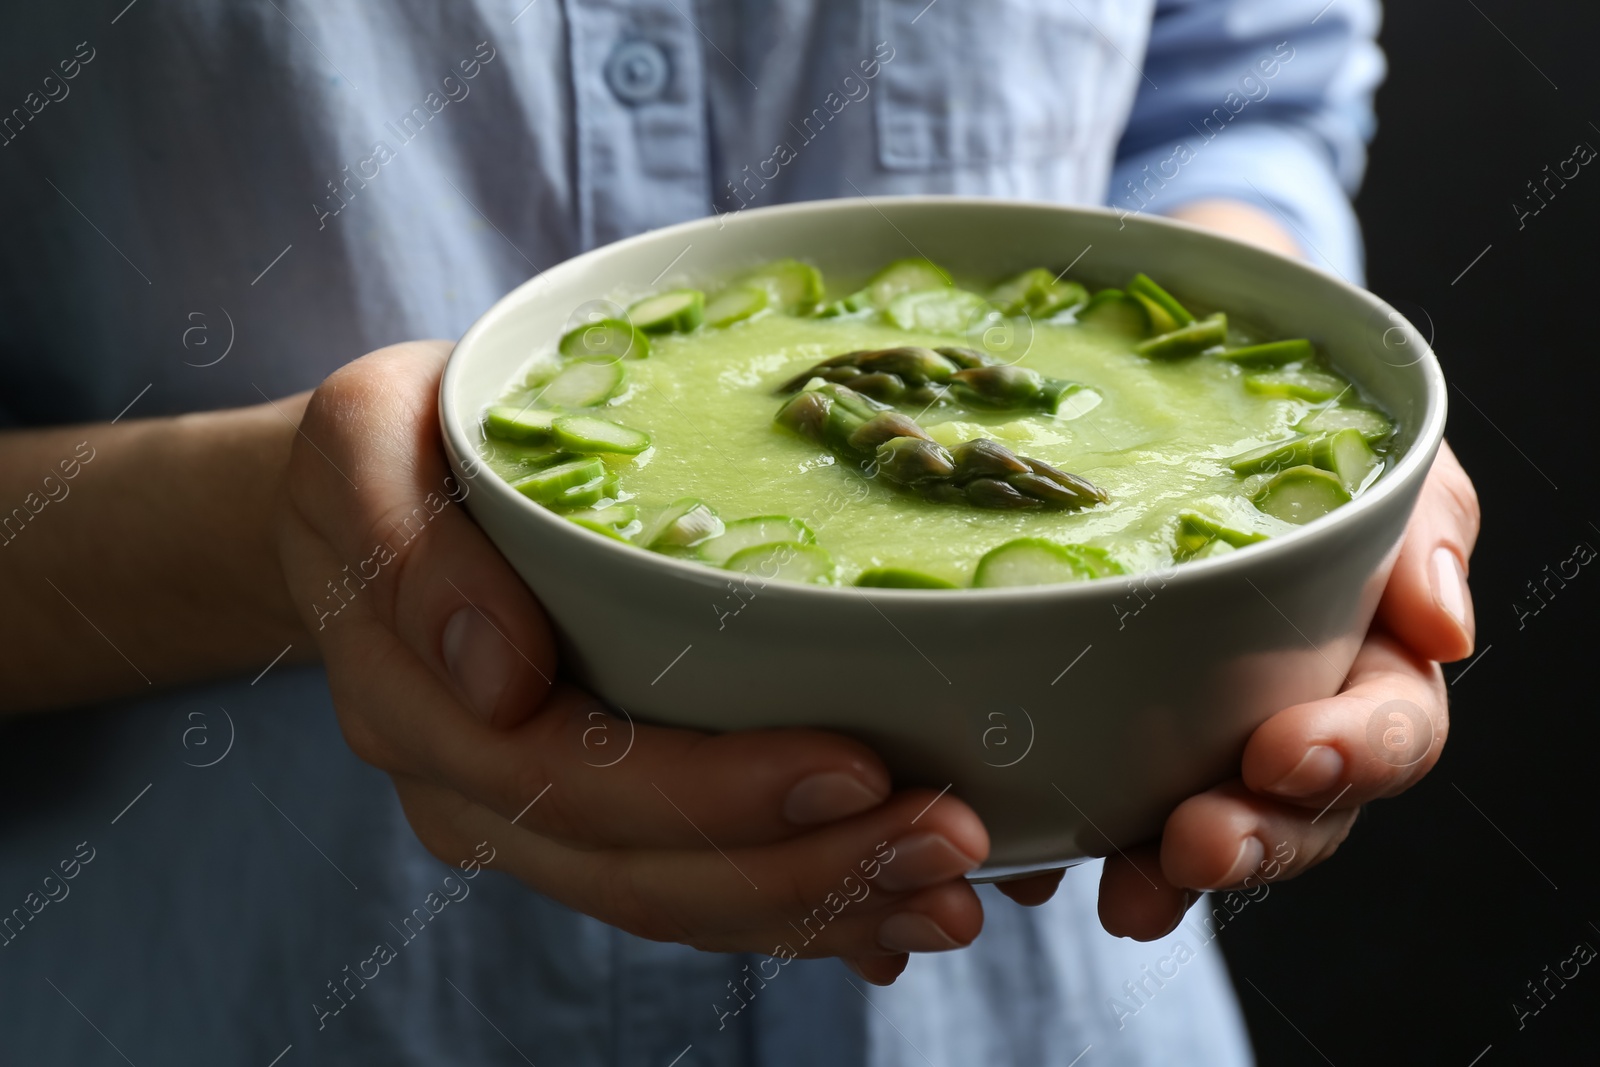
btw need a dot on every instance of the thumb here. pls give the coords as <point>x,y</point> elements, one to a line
<point>368,476</point>
<point>1427,603</point>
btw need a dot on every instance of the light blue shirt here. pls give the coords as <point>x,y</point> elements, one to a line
<point>206,202</point>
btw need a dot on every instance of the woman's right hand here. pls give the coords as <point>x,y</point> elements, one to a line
<point>444,674</point>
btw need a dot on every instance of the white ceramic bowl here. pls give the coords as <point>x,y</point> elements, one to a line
<point>1071,725</point>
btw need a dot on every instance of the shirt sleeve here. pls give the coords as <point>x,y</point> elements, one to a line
<point>1264,101</point>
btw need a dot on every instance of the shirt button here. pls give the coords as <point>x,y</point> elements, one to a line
<point>637,72</point>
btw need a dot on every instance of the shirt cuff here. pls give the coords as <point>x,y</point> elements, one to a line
<point>1276,168</point>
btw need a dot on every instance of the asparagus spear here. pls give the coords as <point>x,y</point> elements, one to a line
<point>981,472</point>
<point>908,372</point>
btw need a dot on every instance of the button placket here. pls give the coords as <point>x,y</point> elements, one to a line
<point>639,111</point>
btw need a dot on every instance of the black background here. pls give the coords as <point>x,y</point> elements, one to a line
<point>1414,944</point>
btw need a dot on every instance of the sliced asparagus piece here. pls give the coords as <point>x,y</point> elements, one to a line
<point>601,528</point>
<point>901,578</point>
<point>1058,297</point>
<point>1036,292</point>
<point>1301,494</point>
<point>1077,401</point>
<point>525,425</point>
<point>795,287</point>
<point>1114,311</point>
<point>684,523</point>
<point>616,516</point>
<point>1275,457</point>
<point>789,561</point>
<point>1015,296</point>
<point>1096,562</point>
<point>1373,425</point>
<point>1154,297</point>
<point>1198,531</point>
<point>748,533</point>
<point>1271,354</point>
<point>1305,384</point>
<point>1035,561</point>
<point>548,486</point>
<point>943,310</point>
<point>735,304</point>
<point>606,339</point>
<point>901,276</point>
<point>585,433</point>
<point>1347,456</point>
<point>582,384</point>
<point>678,310</point>
<point>1187,341</point>
<point>588,494</point>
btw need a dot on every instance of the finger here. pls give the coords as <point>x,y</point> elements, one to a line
<point>1223,836</point>
<point>1427,603</point>
<point>368,480</point>
<point>1136,898</point>
<point>1375,739</point>
<point>1033,890</point>
<point>574,773</point>
<point>879,970</point>
<point>877,885</point>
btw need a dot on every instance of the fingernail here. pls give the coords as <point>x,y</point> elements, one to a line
<point>829,796</point>
<point>1189,897</point>
<point>1251,853</point>
<point>911,932</point>
<point>1450,591</point>
<point>921,860</point>
<point>1318,771</point>
<point>479,659</point>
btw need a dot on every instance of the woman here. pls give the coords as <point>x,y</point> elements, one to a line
<point>214,208</point>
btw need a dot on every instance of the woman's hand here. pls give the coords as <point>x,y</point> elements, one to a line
<point>444,674</point>
<point>1308,769</point>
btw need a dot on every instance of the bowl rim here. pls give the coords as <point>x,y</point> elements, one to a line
<point>1411,467</point>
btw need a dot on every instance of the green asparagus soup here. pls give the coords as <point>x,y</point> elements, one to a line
<point>920,434</point>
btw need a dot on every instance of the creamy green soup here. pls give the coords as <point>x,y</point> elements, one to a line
<point>1155,435</point>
